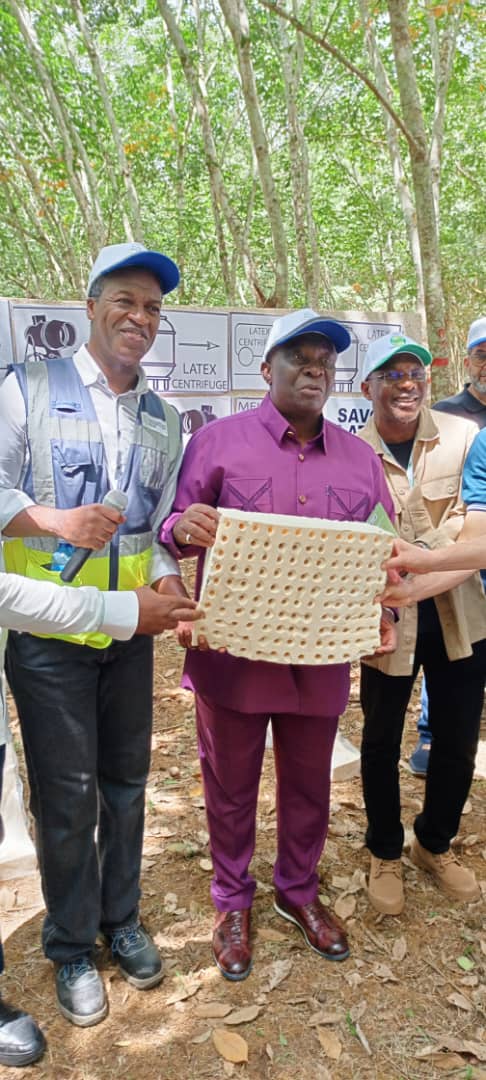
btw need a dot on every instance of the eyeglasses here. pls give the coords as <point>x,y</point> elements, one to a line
<point>479,360</point>
<point>394,376</point>
<point>327,362</point>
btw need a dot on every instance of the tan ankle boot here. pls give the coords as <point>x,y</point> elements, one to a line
<point>451,878</point>
<point>385,886</point>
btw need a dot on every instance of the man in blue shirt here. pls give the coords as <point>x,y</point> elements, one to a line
<point>470,403</point>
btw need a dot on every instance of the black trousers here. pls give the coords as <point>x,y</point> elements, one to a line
<point>86,719</point>
<point>456,698</point>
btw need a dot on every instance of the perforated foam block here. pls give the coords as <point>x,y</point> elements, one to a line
<point>293,590</point>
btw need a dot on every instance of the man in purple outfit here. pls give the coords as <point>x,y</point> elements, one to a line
<point>284,458</point>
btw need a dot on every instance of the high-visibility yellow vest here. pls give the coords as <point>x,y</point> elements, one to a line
<point>67,468</point>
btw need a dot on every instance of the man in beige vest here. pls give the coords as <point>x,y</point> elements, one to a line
<point>423,455</point>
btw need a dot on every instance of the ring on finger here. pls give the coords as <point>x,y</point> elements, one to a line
<point>188,538</point>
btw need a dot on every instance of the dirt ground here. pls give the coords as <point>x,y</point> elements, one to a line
<point>409,1003</point>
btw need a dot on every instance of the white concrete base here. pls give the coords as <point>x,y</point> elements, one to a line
<point>345,757</point>
<point>17,854</point>
<point>480,766</point>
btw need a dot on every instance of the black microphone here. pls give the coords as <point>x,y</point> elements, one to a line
<point>117,500</point>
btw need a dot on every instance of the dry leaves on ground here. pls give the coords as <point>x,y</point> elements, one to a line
<point>231,1046</point>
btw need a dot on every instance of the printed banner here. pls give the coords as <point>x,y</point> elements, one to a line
<point>46,331</point>
<point>249,334</point>
<point>350,412</point>
<point>190,353</point>
<point>195,412</point>
<point>198,354</point>
<point>244,404</point>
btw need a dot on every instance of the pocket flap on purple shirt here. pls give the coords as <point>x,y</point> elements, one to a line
<point>344,504</point>
<point>252,493</point>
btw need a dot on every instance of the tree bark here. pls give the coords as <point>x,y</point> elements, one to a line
<point>423,190</point>
<point>61,255</point>
<point>412,125</point>
<point>182,135</point>
<point>290,58</point>
<point>135,230</point>
<point>220,201</point>
<point>79,171</point>
<point>442,52</point>
<point>402,189</point>
<point>236,16</point>
<point>24,224</point>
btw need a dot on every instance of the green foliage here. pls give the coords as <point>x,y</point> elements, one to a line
<point>362,241</point>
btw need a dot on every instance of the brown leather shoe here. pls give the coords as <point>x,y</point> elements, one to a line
<point>231,943</point>
<point>321,930</point>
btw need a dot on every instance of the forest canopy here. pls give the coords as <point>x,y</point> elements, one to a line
<point>283,154</point>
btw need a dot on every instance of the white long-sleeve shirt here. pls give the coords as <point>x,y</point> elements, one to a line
<point>42,608</point>
<point>116,415</point>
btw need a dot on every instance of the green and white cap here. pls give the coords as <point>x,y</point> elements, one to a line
<point>390,345</point>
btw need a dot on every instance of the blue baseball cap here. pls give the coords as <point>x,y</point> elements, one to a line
<point>306,321</point>
<point>120,256</point>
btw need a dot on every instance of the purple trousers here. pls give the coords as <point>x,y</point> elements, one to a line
<point>231,748</point>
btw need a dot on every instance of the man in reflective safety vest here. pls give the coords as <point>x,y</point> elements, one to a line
<point>73,430</point>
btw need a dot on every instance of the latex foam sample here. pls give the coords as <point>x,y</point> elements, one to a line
<point>293,590</point>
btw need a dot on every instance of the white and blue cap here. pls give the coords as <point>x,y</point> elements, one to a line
<point>382,350</point>
<point>122,256</point>
<point>306,321</point>
<point>477,332</point>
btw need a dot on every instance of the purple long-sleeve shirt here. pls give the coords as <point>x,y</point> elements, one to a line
<point>253,461</point>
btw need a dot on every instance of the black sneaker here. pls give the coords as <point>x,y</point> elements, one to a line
<point>80,992</point>
<point>138,958</point>
<point>21,1040</point>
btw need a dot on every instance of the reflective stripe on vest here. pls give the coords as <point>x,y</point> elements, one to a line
<point>67,468</point>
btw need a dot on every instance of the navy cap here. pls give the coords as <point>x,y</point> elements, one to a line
<point>306,321</point>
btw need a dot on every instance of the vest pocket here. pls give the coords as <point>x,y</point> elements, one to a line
<point>39,571</point>
<point>76,475</point>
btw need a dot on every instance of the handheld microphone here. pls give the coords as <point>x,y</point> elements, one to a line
<point>116,500</point>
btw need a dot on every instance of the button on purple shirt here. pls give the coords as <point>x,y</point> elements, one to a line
<point>249,461</point>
